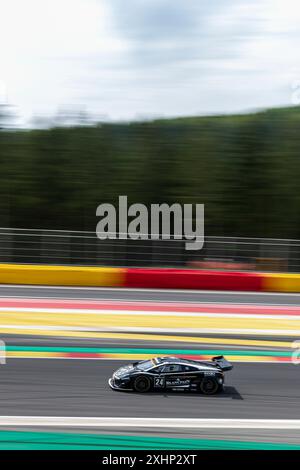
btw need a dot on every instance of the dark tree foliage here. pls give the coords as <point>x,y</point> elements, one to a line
<point>244,168</point>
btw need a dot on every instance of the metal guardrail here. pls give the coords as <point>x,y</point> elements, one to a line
<point>40,246</point>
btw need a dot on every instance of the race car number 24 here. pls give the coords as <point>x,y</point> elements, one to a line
<point>159,382</point>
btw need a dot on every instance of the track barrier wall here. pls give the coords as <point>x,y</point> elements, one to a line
<point>281,283</point>
<point>192,279</point>
<point>61,275</point>
<point>148,278</point>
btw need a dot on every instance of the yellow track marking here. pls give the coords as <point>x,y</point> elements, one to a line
<point>34,354</point>
<point>149,337</point>
<point>124,356</point>
<point>41,320</point>
<point>144,321</point>
<point>144,337</point>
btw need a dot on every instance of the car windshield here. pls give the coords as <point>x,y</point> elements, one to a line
<point>145,365</point>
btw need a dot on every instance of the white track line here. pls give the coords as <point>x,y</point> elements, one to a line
<point>113,422</point>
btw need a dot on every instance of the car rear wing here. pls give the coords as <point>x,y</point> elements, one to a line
<point>222,363</point>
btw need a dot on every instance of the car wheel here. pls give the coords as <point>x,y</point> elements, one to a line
<point>209,386</point>
<point>142,384</point>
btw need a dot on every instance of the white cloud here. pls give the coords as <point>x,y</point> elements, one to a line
<point>46,47</point>
<point>137,57</point>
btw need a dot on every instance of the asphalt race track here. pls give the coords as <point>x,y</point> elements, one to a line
<point>79,388</point>
<point>99,293</point>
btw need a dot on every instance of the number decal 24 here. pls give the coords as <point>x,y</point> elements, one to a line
<point>159,382</point>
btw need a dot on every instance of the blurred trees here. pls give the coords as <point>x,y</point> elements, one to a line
<point>244,168</point>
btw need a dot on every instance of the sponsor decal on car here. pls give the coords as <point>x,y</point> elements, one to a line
<point>177,381</point>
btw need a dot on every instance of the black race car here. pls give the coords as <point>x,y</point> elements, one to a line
<point>162,373</point>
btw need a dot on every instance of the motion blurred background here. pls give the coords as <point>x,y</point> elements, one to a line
<point>163,101</point>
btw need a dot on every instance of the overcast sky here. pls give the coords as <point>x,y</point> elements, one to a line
<point>127,59</point>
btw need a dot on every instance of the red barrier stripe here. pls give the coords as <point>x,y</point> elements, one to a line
<point>192,279</point>
<point>79,355</point>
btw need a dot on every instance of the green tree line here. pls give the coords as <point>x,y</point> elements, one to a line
<point>244,168</point>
